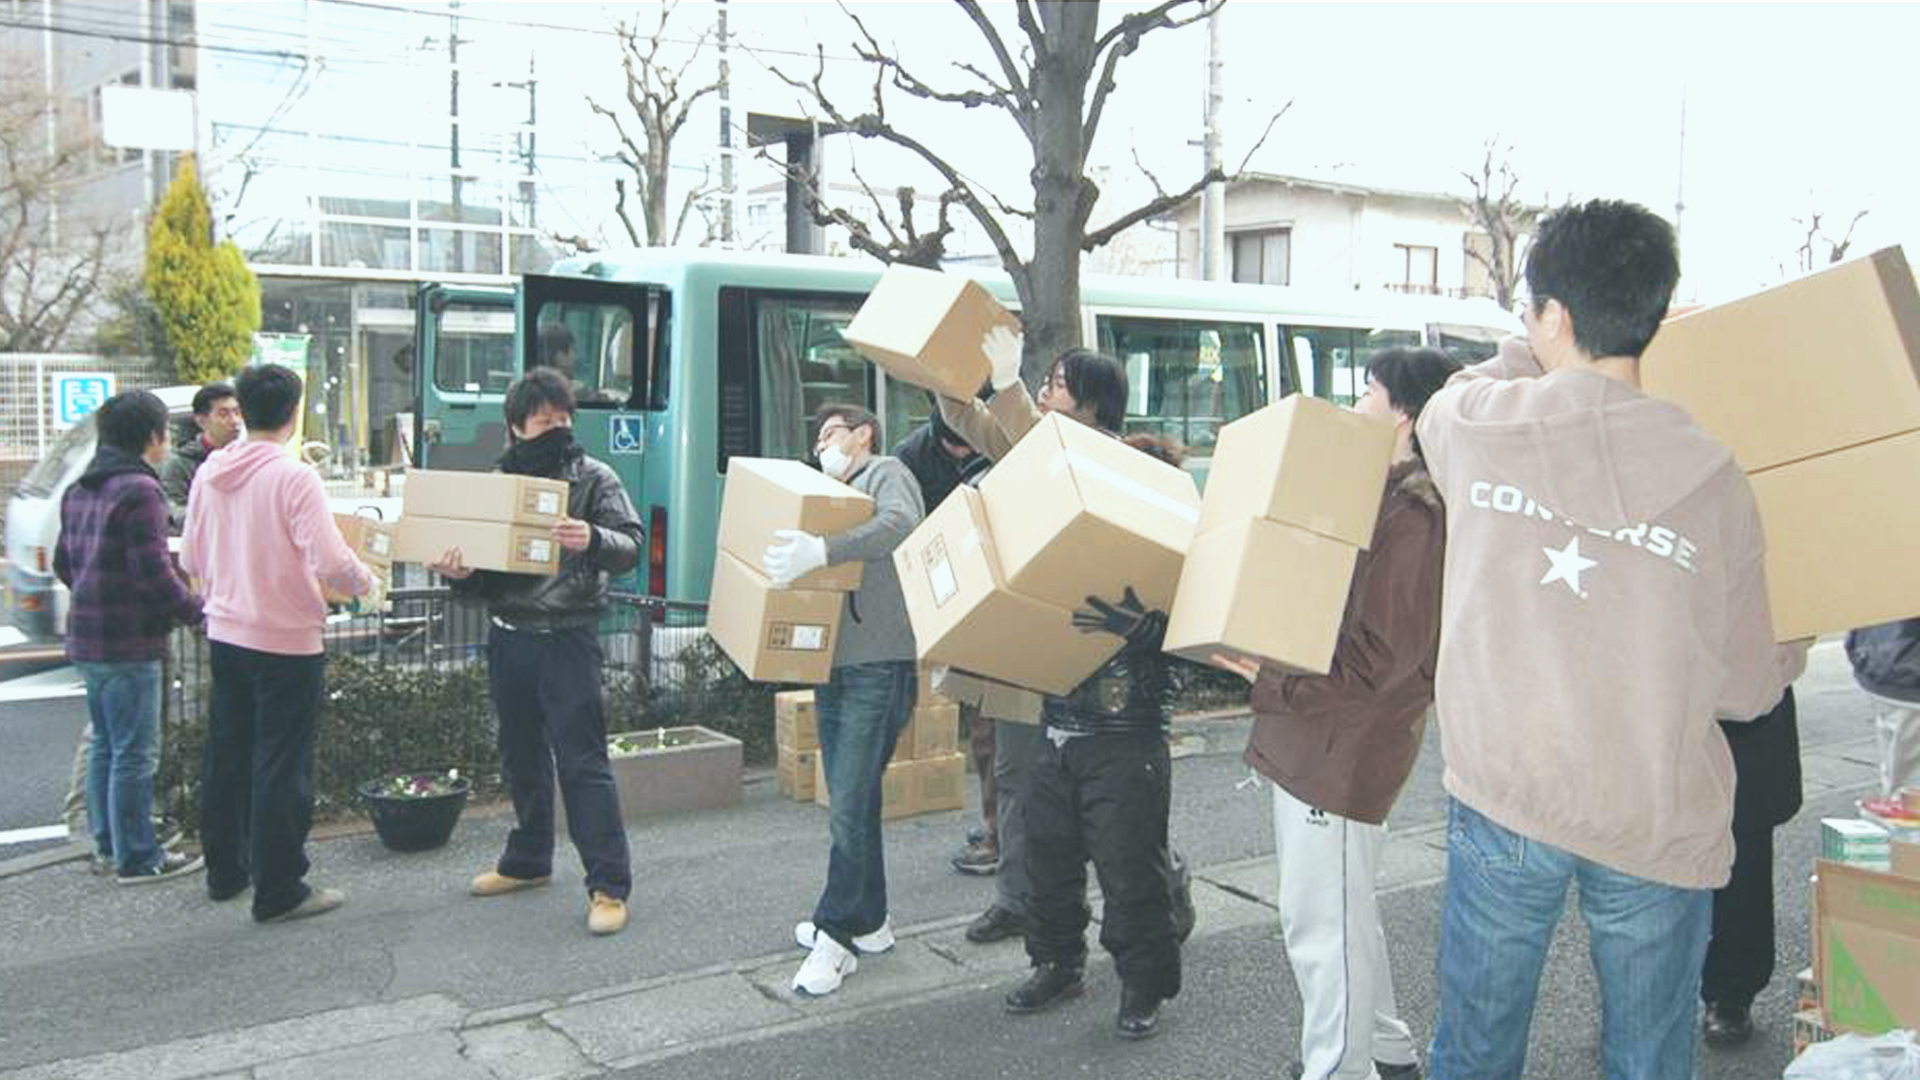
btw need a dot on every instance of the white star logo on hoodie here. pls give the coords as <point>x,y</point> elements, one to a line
<point>1565,566</point>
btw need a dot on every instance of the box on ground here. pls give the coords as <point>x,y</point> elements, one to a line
<point>1077,513</point>
<point>765,494</point>
<point>1868,948</point>
<point>1815,365</point>
<point>964,615</point>
<point>795,724</point>
<point>1839,549</point>
<point>484,545</point>
<point>926,328</point>
<point>994,700</point>
<point>484,496</point>
<point>1261,590</point>
<point>796,772</point>
<point>1904,859</point>
<point>1856,843</point>
<point>896,788</point>
<point>934,731</point>
<point>774,635</point>
<point>939,783</point>
<point>1303,462</point>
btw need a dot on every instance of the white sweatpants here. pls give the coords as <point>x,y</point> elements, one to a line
<point>1896,726</point>
<point>1334,942</point>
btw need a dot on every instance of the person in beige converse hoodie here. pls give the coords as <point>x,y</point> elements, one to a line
<point>1604,600</point>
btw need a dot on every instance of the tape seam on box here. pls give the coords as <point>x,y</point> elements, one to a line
<point>1126,484</point>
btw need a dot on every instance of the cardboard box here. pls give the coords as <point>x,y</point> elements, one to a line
<point>795,724</point>
<point>478,496</point>
<point>1839,549</point>
<point>1077,513</point>
<point>774,635</point>
<point>939,783</point>
<point>964,615</point>
<point>896,789</point>
<point>935,730</point>
<point>926,327</point>
<point>994,700</point>
<point>796,773</point>
<point>484,545</point>
<point>1828,361</point>
<point>1260,590</point>
<point>1904,859</point>
<point>1869,949</point>
<point>1303,462</point>
<point>1855,842</point>
<point>371,541</point>
<point>765,494</point>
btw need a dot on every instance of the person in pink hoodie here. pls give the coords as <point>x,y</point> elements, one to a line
<point>261,541</point>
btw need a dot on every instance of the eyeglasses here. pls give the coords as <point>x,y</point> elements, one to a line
<point>832,431</point>
<point>1056,380</point>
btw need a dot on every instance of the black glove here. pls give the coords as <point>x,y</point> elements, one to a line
<point>1128,619</point>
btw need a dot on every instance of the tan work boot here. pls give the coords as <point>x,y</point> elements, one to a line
<point>605,915</point>
<point>494,883</point>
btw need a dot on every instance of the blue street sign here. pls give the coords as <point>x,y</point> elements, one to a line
<point>624,435</point>
<point>77,393</point>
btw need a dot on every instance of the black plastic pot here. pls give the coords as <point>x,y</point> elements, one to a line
<point>414,822</point>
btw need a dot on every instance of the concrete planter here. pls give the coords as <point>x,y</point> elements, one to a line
<point>669,770</point>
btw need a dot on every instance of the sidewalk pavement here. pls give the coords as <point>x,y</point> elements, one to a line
<point>413,978</point>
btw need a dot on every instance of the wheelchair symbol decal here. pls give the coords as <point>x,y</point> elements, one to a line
<point>624,435</point>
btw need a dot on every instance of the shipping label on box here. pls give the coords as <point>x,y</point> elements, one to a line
<point>1869,949</point>
<point>765,494</point>
<point>1077,513</point>
<point>964,615</point>
<point>896,789</point>
<point>939,783</point>
<point>1815,365</point>
<point>370,539</point>
<point>484,545</point>
<point>795,724</point>
<point>1260,590</point>
<point>796,773</point>
<point>1303,462</point>
<point>774,635</point>
<point>926,328</point>
<point>478,496</point>
<point>994,700</point>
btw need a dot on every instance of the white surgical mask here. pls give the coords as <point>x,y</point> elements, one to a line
<point>835,463</point>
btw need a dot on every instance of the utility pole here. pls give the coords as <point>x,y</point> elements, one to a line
<point>726,136</point>
<point>1213,232</point>
<point>456,259</point>
<point>1680,178</point>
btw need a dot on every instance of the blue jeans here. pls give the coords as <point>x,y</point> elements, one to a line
<point>861,712</point>
<point>123,700</point>
<point>1504,895</point>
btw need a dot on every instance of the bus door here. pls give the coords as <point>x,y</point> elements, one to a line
<point>464,359</point>
<point>610,338</point>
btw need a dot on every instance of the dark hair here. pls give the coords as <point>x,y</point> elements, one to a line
<point>269,394</point>
<point>1159,447</point>
<point>129,420</point>
<point>205,398</point>
<point>1410,376</point>
<point>944,432</point>
<point>1613,265</point>
<point>539,386</point>
<point>1098,382</point>
<point>855,417</point>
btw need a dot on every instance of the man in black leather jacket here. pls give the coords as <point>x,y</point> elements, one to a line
<point>543,659</point>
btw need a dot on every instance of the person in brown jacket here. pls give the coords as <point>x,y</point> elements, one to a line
<point>1338,747</point>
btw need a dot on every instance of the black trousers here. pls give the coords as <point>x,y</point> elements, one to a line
<point>546,690</point>
<point>256,787</point>
<point>1766,766</point>
<point>1104,797</point>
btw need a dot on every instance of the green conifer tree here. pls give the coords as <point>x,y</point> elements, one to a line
<point>207,299</point>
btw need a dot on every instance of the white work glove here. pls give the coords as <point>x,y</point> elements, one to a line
<point>1002,348</point>
<point>374,599</point>
<point>798,555</point>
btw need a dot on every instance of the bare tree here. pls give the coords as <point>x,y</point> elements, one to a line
<point>657,107</point>
<point>1054,83</point>
<point>1815,236</point>
<point>1497,211</point>
<point>55,266</point>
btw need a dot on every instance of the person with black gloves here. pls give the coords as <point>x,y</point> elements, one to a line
<point>1100,789</point>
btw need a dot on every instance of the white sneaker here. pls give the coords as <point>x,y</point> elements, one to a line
<point>825,968</point>
<point>866,944</point>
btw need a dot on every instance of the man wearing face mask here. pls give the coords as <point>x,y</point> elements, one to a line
<point>543,659</point>
<point>866,701</point>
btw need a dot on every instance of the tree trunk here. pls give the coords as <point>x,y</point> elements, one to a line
<point>655,207</point>
<point>1062,195</point>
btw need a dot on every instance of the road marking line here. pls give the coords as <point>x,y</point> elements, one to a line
<point>28,836</point>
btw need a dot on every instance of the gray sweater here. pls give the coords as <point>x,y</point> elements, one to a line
<point>873,626</point>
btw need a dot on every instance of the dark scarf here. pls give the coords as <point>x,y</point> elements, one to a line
<point>108,462</point>
<point>547,455</point>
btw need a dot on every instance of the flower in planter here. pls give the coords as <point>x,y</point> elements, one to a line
<point>419,785</point>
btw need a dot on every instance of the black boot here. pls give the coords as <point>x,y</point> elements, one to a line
<point>995,924</point>
<point>1049,985</point>
<point>1726,1025</point>
<point>1139,1014</point>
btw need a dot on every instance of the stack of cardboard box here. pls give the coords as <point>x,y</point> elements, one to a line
<point>1291,500</point>
<point>372,541</point>
<point>992,577</point>
<point>925,774</point>
<point>796,741</point>
<point>1866,935</point>
<point>499,521</point>
<point>780,635</point>
<point>1813,386</point>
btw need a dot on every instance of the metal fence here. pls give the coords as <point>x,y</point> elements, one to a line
<point>407,691</point>
<point>27,407</point>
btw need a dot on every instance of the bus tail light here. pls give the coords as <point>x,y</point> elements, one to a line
<point>657,557</point>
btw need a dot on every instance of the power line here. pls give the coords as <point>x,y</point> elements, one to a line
<point>148,39</point>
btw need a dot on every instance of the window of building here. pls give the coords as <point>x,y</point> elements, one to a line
<point>1262,257</point>
<point>1419,268</point>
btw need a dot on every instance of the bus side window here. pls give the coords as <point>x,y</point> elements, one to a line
<point>1186,377</point>
<point>781,358</point>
